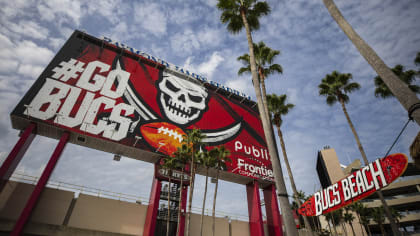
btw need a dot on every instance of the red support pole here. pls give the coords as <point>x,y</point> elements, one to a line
<point>183,207</point>
<point>150,224</point>
<point>272,210</point>
<point>30,204</point>
<point>14,157</point>
<point>256,224</point>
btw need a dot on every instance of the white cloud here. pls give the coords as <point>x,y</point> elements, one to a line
<point>56,43</point>
<point>151,17</point>
<point>8,65</point>
<point>184,42</point>
<point>29,52</point>
<point>60,10</point>
<point>207,68</point>
<point>29,29</point>
<point>30,70</point>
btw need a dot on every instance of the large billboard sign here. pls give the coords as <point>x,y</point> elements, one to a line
<point>117,101</point>
<point>356,186</point>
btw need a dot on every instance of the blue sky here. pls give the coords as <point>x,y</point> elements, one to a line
<point>189,34</point>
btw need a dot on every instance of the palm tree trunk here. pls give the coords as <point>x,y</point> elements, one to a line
<point>292,180</point>
<point>190,194</point>
<point>204,202</point>
<point>381,226</point>
<point>169,203</point>
<point>370,233</point>
<point>289,221</point>
<point>400,90</point>
<point>334,225</point>
<point>344,228</point>
<point>352,229</point>
<point>213,227</point>
<point>180,201</point>
<point>361,227</point>
<point>362,151</point>
<point>329,225</point>
<point>264,93</point>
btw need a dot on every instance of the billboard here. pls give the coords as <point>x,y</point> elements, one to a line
<point>117,101</point>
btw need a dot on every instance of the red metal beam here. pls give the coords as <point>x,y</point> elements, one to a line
<point>30,204</point>
<point>184,193</point>
<point>274,224</point>
<point>256,225</point>
<point>150,224</point>
<point>14,157</point>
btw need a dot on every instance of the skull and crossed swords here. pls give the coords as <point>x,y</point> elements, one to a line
<point>182,102</point>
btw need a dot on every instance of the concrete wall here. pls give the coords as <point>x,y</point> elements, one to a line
<point>240,228</point>
<point>108,215</point>
<point>332,164</point>
<point>50,209</point>
<point>222,225</point>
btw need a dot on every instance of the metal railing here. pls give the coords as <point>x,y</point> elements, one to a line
<point>78,189</point>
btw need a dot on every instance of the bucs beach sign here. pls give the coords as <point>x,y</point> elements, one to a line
<point>356,186</point>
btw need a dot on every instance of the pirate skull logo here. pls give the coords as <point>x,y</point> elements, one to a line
<point>181,101</point>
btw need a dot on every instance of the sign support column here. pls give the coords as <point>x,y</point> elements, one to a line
<point>150,224</point>
<point>256,224</point>
<point>30,204</point>
<point>14,157</point>
<point>184,193</point>
<point>274,224</point>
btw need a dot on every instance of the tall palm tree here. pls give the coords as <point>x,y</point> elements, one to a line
<point>169,164</point>
<point>278,107</point>
<point>408,77</point>
<point>207,160</point>
<point>182,155</point>
<point>222,155</point>
<point>192,139</point>
<point>404,95</point>
<point>239,14</point>
<point>264,57</point>
<point>335,87</point>
<point>417,59</point>
<point>365,215</point>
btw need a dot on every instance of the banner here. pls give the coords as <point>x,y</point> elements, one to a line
<point>116,101</point>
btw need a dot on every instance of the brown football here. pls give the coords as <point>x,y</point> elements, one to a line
<point>162,136</point>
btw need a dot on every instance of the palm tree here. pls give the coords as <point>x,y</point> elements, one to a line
<point>330,217</point>
<point>365,216</point>
<point>401,91</point>
<point>238,14</point>
<point>208,160</point>
<point>278,108</point>
<point>348,218</point>
<point>222,155</point>
<point>417,60</point>
<point>192,139</point>
<point>264,57</point>
<point>182,155</point>
<point>358,207</point>
<point>335,87</point>
<point>379,218</point>
<point>408,77</point>
<point>169,164</point>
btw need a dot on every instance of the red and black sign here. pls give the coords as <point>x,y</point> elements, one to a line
<point>118,97</point>
<point>355,187</point>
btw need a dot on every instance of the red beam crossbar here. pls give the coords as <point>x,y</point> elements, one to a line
<point>14,157</point>
<point>30,204</point>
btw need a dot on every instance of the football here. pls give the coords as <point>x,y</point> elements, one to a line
<point>164,137</point>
